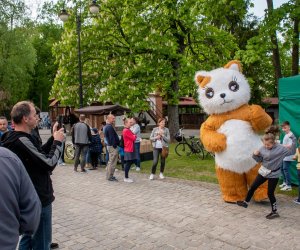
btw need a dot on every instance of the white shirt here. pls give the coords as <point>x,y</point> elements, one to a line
<point>158,144</point>
<point>288,141</point>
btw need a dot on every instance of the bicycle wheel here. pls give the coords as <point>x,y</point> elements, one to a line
<point>199,150</point>
<point>210,154</point>
<point>70,151</point>
<point>183,149</point>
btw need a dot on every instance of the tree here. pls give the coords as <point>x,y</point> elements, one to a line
<point>275,49</point>
<point>17,56</point>
<point>43,38</point>
<point>139,47</point>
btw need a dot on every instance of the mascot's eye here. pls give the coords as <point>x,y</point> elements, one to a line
<point>233,86</point>
<point>209,93</point>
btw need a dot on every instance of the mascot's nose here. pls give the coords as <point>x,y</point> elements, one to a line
<point>222,95</point>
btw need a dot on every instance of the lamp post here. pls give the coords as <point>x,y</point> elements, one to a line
<point>64,16</point>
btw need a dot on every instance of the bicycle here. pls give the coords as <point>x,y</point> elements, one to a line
<point>184,147</point>
<point>70,150</point>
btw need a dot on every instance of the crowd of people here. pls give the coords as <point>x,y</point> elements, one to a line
<point>27,166</point>
<point>90,143</point>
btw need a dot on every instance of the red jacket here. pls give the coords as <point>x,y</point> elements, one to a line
<point>129,139</point>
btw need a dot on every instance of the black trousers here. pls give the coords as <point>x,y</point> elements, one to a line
<point>272,183</point>
<point>94,159</point>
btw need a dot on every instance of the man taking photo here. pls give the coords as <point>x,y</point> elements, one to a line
<point>39,163</point>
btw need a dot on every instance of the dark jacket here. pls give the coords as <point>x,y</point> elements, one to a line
<point>38,161</point>
<point>20,206</point>
<point>96,145</point>
<point>111,136</point>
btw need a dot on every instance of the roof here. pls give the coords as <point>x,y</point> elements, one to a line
<point>53,103</point>
<point>103,110</point>
<point>185,101</point>
<point>271,100</point>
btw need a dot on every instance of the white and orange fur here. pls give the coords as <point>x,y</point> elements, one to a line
<point>231,130</point>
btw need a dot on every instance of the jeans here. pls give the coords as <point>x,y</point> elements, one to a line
<point>88,157</point>
<point>156,154</point>
<point>285,170</point>
<point>42,238</point>
<point>137,162</point>
<point>80,150</point>
<point>272,182</point>
<point>127,167</point>
<point>62,158</point>
<point>106,155</point>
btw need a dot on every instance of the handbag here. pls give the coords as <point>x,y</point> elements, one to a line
<point>263,171</point>
<point>164,152</point>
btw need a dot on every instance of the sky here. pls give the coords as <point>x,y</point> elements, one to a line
<point>261,5</point>
<point>258,10</point>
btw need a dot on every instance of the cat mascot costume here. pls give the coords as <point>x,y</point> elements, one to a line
<point>231,130</point>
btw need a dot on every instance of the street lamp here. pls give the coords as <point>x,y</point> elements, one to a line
<point>64,16</point>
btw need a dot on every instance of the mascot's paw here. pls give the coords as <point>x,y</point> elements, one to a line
<point>216,143</point>
<point>233,186</point>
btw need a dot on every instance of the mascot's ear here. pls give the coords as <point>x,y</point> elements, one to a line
<point>202,78</point>
<point>234,65</point>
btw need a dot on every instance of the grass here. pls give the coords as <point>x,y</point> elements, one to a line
<point>190,168</point>
<point>186,167</point>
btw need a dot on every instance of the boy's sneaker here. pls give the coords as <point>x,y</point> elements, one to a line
<point>242,204</point>
<point>151,177</point>
<point>297,201</point>
<point>282,185</point>
<point>161,176</point>
<point>138,169</point>
<point>286,188</point>
<point>272,215</point>
<point>128,180</point>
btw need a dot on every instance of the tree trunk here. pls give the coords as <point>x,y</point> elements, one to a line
<point>295,48</point>
<point>173,120</point>
<point>275,50</point>
<point>173,114</point>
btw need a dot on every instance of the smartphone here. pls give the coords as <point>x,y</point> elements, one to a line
<point>59,119</point>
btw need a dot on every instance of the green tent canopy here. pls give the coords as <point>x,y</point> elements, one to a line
<point>289,110</point>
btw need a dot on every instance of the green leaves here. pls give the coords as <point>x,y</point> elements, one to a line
<point>17,59</point>
<point>131,49</point>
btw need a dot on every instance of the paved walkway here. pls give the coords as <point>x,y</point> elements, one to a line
<point>92,213</point>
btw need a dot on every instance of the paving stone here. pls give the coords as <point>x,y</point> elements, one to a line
<point>91,213</point>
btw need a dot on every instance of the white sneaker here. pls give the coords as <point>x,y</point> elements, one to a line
<point>282,185</point>
<point>128,180</point>
<point>161,176</point>
<point>138,169</point>
<point>297,201</point>
<point>151,177</point>
<point>286,188</point>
